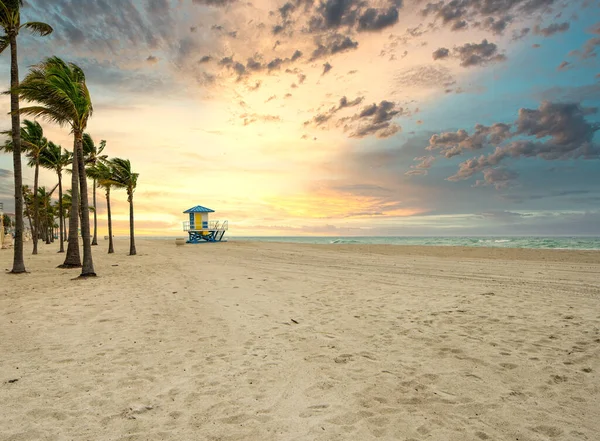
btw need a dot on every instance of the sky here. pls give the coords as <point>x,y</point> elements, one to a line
<point>337,117</point>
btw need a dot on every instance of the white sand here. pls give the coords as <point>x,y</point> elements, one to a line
<point>391,343</point>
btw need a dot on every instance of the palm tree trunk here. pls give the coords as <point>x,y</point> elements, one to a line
<point>35,233</point>
<point>111,249</point>
<point>60,213</point>
<point>73,258</point>
<point>49,233</point>
<point>18,260</point>
<point>88,263</point>
<point>95,240</point>
<point>131,229</point>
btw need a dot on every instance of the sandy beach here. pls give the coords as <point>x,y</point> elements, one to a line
<point>269,341</point>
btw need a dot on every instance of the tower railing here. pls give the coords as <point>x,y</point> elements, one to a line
<point>215,225</point>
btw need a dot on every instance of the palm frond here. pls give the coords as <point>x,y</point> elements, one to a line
<point>4,43</point>
<point>61,92</point>
<point>38,28</point>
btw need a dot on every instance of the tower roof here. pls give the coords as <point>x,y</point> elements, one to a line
<point>199,209</point>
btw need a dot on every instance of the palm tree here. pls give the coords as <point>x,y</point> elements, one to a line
<point>63,97</point>
<point>44,196</point>
<point>125,178</point>
<point>54,157</point>
<point>102,173</point>
<point>33,143</point>
<point>10,22</point>
<point>67,201</point>
<point>92,155</point>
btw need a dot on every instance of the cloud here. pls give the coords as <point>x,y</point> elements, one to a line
<point>559,130</point>
<point>250,118</point>
<point>326,68</point>
<point>441,53</point>
<point>500,178</point>
<point>554,28</point>
<point>374,120</point>
<point>478,54</point>
<point>374,20</point>
<point>425,77</point>
<point>455,143</point>
<point>563,66</point>
<point>344,103</point>
<point>352,14</point>
<point>472,54</point>
<point>590,46</point>
<point>332,45</point>
<point>489,15</point>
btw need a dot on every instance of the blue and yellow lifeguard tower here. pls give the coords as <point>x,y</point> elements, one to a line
<point>201,229</point>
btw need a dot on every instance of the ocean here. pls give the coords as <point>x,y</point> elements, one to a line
<point>565,243</point>
<point>558,242</point>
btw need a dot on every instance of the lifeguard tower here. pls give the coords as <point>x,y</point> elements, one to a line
<point>200,229</point>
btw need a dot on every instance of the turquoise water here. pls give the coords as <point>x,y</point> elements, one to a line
<point>568,243</point>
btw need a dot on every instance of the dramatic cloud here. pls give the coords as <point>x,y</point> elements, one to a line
<point>559,131</point>
<point>350,14</point>
<point>554,28</point>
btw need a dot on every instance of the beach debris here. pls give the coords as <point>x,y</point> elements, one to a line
<point>115,265</point>
<point>174,292</point>
<point>295,321</point>
<point>488,294</point>
<point>13,380</point>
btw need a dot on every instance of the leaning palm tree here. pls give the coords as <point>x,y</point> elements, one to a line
<point>10,22</point>
<point>54,157</point>
<point>103,174</point>
<point>92,154</point>
<point>63,97</point>
<point>125,178</point>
